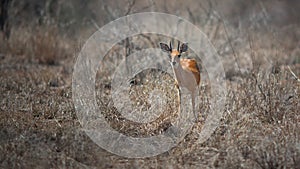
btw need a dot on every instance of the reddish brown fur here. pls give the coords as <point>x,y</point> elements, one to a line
<point>174,53</point>
<point>191,65</point>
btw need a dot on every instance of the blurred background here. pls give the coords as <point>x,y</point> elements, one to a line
<point>28,26</point>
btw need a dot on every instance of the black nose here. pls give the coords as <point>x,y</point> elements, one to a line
<point>173,63</point>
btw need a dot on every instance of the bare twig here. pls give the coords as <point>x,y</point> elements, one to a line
<point>149,39</point>
<point>150,6</point>
<point>252,52</point>
<point>95,24</point>
<point>192,16</point>
<point>215,31</point>
<point>130,6</point>
<point>228,39</point>
<point>251,46</point>
<point>230,44</point>
<point>293,74</point>
<point>204,9</point>
<point>259,86</point>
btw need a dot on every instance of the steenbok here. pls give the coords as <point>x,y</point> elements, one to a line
<point>186,71</point>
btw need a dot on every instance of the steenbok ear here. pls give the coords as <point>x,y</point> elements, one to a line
<point>164,47</point>
<point>183,47</point>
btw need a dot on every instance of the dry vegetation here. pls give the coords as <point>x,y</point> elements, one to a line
<point>39,126</point>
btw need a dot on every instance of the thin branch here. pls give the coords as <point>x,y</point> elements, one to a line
<point>192,16</point>
<point>228,38</point>
<point>230,44</point>
<point>204,9</point>
<point>252,54</point>
<point>215,31</point>
<point>95,24</point>
<point>216,14</point>
<point>150,6</point>
<point>293,74</point>
<point>130,6</point>
<point>149,39</point>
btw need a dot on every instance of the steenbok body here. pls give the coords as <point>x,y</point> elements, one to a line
<point>186,71</point>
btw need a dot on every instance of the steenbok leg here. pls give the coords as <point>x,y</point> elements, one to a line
<point>193,105</point>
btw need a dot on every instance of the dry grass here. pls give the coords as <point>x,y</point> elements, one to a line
<point>154,81</point>
<point>42,44</point>
<point>39,127</point>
